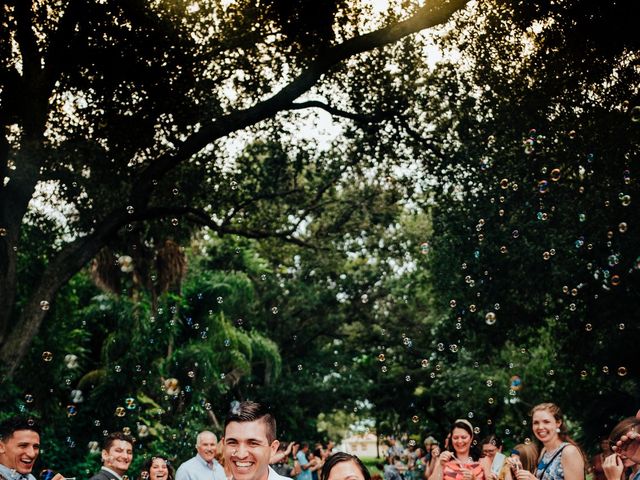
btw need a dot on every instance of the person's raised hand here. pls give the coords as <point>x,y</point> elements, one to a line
<point>445,456</point>
<point>613,467</point>
<point>629,446</point>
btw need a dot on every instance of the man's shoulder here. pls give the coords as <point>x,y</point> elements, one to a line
<point>103,475</point>
<point>273,475</point>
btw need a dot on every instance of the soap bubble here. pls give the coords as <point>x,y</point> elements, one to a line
<point>622,371</point>
<point>489,382</point>
<point>555,175</point>
<point>47,356</point>
<point>44,305</point>
<point>424,248</point>
<point>72,411</point>
<point>490,318</point>
<point>424,363</point>
<point>130,403</point>
<point>28,398</point>
<point>504,183</point>
<point>381,357</point>
<point>635,114</point>
<point>415,419</point>
<point>452,304</point>
<point>622,228</point>
<point>120,412</point>
<point>543,186</point>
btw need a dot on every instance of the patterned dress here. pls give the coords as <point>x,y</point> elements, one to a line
<point>453,470</point>
<point>554,469</point>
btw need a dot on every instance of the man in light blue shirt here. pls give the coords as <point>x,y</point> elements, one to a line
<point>204,465</point>
<point>301,456</point>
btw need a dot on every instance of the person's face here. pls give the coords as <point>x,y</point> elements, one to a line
<point>206,446</point>
<point>345,471</point>
<point>158,469</point>
<point>19,452</point>
<point>461,440</point>
<point>545,425</point>
<point>489,450</point>
<point>247,450</point>
<point>118,457</point>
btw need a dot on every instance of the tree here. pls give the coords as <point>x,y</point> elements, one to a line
<point>116,111</point>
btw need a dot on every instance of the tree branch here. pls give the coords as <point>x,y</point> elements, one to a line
<point>435,13</point>
<point>336,111</point>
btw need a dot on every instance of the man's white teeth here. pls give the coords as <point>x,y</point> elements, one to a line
<point>243,464</point>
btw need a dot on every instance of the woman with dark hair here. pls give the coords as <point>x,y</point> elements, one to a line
<point>561,458</point>
<point>157,468</point>
<point>460,462</point>
<point>343,466</point>
<point>615,464</point>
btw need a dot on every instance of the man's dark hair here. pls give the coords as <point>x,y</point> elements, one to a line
<point>250,412</point>
<point>112,437</point>
<point>340,457</point>
<point>11,425</point>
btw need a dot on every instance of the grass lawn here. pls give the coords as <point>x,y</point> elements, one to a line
<point>370,463</point>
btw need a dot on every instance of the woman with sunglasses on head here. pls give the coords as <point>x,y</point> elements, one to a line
<point>459,462</point>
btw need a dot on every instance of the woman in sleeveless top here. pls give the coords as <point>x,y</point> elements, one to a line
<point>561,458</point>
<point>457,463</point>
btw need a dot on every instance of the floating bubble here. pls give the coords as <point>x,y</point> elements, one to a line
<point>175,191</point>
<point>472,308</point>
<point>489,382</point>
<point>621,326</point>
<point>72,411</point>
<point>407,378</point>
<point>424,248</point>
<point>299,367</point>
<point>543,186</point>
<point>94,447</point>
<point>126,263</point>
<point>546,255</point>
<point>605,369</point>
<point>76,396</point>
<point>582,217</point>
<point>424,363</point>
<point>274,310</point>
<point>227,342</point>
<point>515,234</point>
<point>615,280</point>
<point>572,307</point>
<point>622,227</point>
<point>490,400</point>
<point>130,209</point>
<point>3,232</point>
<point>626,200</point>
<point>490,318</point>
<point>381,357</point>
<point>572,134</point>
<point>555,175</point>
<point>171,386</point>
<point>384,368</point>
<point>551,372</point>
<point>47,356</point>
<point>635,114</point>
<point>406,341</point>
<point>415,419</point>
<point>622,371</point>
<point>452,304</point>
<point>28,398</point>
<point>120,412</point>
<point>143,430</point>
<point>470,414</point>
<point>219,300</point>
<point>440,347</point>
<point>130,403</point>
<point>44,305</point>
<point>588,327</point>
<point>453,347</point>
<point>583,374</point>
<point>503,249</point>
<point>504,183</point>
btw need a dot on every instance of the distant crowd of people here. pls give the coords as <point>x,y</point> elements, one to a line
<point>250,450</point>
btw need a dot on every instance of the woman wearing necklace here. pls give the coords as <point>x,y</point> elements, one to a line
<point>458,463</point>
<point>561,458</point>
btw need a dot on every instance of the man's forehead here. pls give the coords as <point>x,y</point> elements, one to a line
<point>256,430</point>
<point>30,436</point>
<point>121,444</point>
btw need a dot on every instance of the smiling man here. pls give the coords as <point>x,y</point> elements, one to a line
<point>204,465</point>
<point>250,441</point>
<point>117,454</point>
<point>19,449</point>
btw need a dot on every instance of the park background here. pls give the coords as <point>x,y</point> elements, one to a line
<point>372,216</point>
